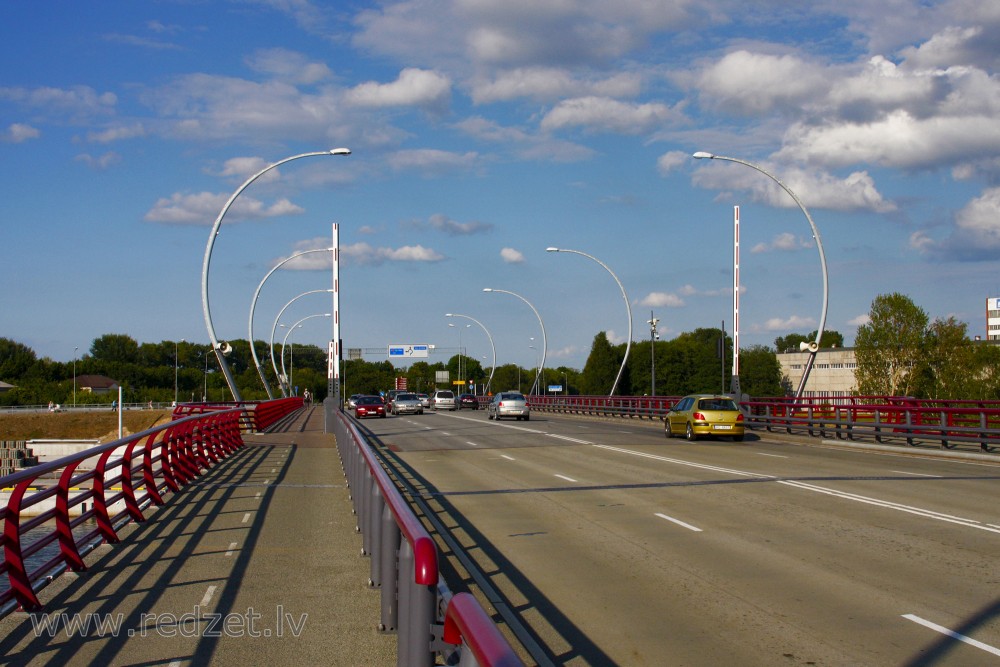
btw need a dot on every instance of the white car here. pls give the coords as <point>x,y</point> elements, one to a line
<point>404,404</point>
<point>425,400</point>
<point>443,399</point>
<point>508,404</point>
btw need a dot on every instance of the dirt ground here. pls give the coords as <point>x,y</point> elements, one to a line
<point>101,425</point>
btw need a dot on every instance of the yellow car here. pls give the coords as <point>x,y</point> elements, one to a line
<point>705,414</point>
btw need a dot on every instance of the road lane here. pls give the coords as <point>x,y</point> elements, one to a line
<point>805,554</point>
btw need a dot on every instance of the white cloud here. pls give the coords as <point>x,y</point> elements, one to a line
<point>860,320</point>
<point>782,242</point>
<point>755,83</point>
<point>511,256</point>
<point>289,66</point>
<point>453,228</point>
<point>363,253</point>
<point>551,83</point>
<point>794,322</point>
<point>661,300</point>
<point>671,160</point>
<point>18,132</point>
<point>117,133</point>
<point>202,208</point>
<point>431,161</point>
<point>608,115</point>
<point>101,161</point>
<point>414,87</point>
<point>976,234</point>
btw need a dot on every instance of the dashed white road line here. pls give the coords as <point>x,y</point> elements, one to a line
<point>776,456</point>
<point>568,479</point>
<point>469,442</point>
<point>679,522</point>
<point>208,596</point>
<point>246,517</point>
<point>951,633</point>
<point>916,474</point>
<point>509,458</point>
<point>232,548</point>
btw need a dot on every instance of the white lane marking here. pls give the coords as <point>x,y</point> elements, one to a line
<point>257,495</point>
<point>776,456</point>
<point>916,474</point>
<point>679,522</point>
<point>469,442</point>
<point>232,548</point>
<point>246,517</point>
<point>951,633</point>
<point>446,433</point>
<point>909,509</point>
<point>566,437</point>
<point>495,423</point>
<point>568,479</point>
<point>509,458</point>
<point>266,481</point>
<point>208,596</point>
<point>929,514</point>
<point>274,470</point>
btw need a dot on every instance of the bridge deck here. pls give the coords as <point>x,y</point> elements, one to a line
<point>257,562</point>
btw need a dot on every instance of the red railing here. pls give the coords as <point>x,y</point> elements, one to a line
<point>121,479</point>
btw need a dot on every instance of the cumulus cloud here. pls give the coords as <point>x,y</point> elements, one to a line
<point>551,83</point>
<point>451,227</point>
<point>795,322</point>
<point>432,161</point>
<point>76,102</point>
<point>784,242</point>
<point>755,83</point>
<point>511,256</point>
<point>100,161</point>
<point>413,87</point>
<point>288,65</point>
<point>363,253</point>
<point>117,133</point>
<point>976,234</point>
<point>661,300</point>
<point>608,115</point>
<point>202,208</point>
<point>671,160</point>
<point>18,132</point>
<point>860,320</point>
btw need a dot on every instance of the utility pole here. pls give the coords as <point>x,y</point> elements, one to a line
<point>654,336</point>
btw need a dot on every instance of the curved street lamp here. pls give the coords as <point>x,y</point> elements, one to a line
<point>812,347</point>
<point>297,325</point>
<point>208,259</point>
<point>540,323</point>
<point>628,309</point>
<point>274,364</point>
<point>494,367</point>
<point>253,305</point>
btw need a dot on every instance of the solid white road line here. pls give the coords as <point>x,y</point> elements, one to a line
<point>776,456</point>
<point>679,522</point>
<point>951,633</point>
<point>568,479</point>
<point>916,474</point>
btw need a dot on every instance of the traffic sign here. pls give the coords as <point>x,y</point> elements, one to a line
<point>408,351</point>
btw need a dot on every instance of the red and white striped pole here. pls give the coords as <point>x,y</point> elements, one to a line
<point>333,371</point>
<point>735,382</point>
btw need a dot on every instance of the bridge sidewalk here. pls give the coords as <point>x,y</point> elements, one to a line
<point>256,562</point>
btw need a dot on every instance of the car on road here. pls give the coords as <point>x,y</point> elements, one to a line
<point>443,399</point>
<point>407,404</point>
<point>468,401</point>
<point>425,400</point>
<point>368,406</point>
<point>705,415</point>
<point>508,404</point>
<point>352,401</point>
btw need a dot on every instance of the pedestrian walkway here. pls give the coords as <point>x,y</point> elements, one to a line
<point>255,563</point>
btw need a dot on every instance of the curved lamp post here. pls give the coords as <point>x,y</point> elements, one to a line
<point>253,305</point>
<point>274,364</point>
<point>208,259</point>
<point>540,323</point>
<point>812,347</point>
<point>297,325</point>
<point>628,309</point>
<point>494,367</point>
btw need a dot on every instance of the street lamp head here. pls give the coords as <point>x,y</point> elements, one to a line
<point>449,315</point>
<point>702,154</point>
<point>487,289</point>
<point>552,250</point>
<point>340,151</point>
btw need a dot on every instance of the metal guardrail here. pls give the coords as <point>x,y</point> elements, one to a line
<point>881,419</point>
<point>134,472</point>
<point>404,566</point>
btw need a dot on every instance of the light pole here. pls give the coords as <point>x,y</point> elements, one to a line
<point>297,325</point>
<point>540,324</point>
<point>653,337</point>
<point>208,259</point>
<point>253,305</point>
<point>460,376</point>
<point>812,347</point>
<point>74,375</point>
<point>274,364</point>
<point>628,310</point>
<point>494,367</point>
<point>176,343</point>
<point>538,385</point>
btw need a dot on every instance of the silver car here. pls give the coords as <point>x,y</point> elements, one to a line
<point>443,399</point>
<point>508,404</point>
<point>404,404</point>
<point>425,400</point>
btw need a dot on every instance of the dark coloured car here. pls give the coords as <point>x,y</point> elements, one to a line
<point>467,401</point>
<point>369,406</point>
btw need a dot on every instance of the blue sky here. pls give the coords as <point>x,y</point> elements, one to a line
<point>483,132</point>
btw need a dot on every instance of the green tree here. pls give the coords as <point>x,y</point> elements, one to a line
<point>760,372</point>
<point>790,343</point>
<point>601,368</point>
<point>949,360</point>
<point>16,359</point>
<point>890,346</point>
<point>116,349</point>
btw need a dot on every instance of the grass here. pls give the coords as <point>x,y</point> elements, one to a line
<point>102,425</point>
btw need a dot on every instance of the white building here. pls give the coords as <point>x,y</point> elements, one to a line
<point>993,318</point>
<point>832,374</point>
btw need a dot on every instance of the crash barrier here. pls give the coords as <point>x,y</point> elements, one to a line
<point>884,419</point>
<point>415,602</point>
<point>132,473</point>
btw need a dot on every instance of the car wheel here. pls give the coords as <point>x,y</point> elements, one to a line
<point>420,411</point>
<point>527,417</point>
<point>666,430</point>
<point>382,415</point>
<point>689,434</point>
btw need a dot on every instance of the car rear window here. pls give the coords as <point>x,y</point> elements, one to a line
<point>717,404</point>
<point>445,394</point>
<point>513,397</point>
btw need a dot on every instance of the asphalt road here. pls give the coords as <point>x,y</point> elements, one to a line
<point>618,546</point>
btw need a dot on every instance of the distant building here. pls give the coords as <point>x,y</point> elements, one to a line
<point>5,387</point>
<point>96,384</point>
<point>993,318</point>
<point>832,373</point>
